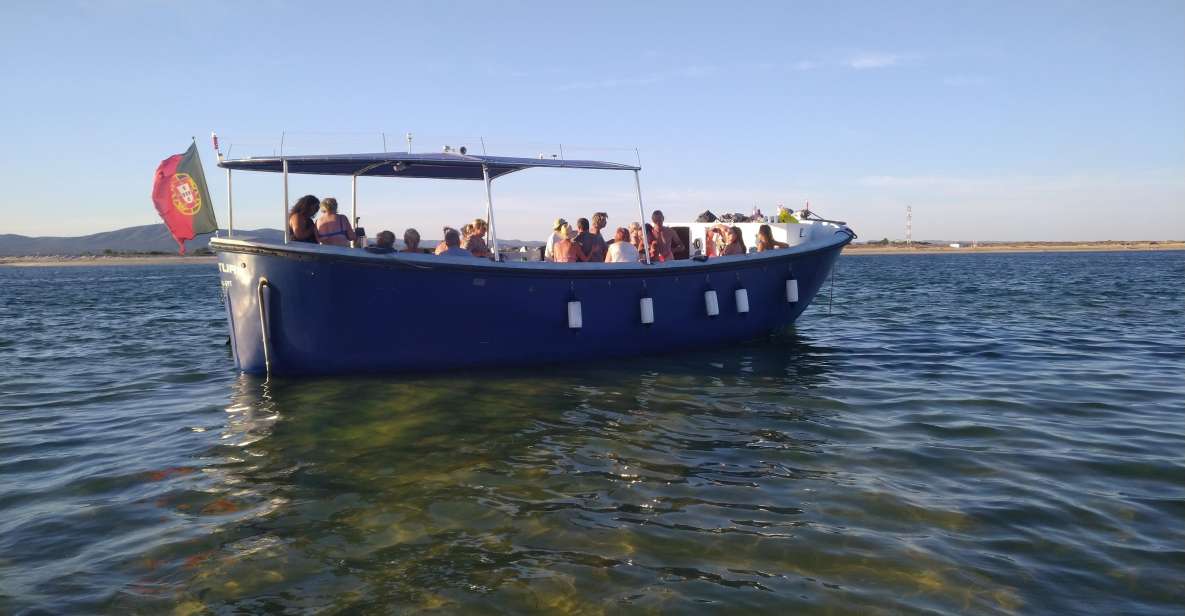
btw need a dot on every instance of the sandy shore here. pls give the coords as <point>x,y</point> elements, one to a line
<point>65,261</point>
<point>1006,247</point>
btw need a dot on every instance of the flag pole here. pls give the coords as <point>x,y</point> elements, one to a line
<point>230,195</point>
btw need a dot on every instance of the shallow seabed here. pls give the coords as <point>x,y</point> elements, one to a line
<point>988,434</point>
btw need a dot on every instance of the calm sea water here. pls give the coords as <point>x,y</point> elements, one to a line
<point>965,433</point>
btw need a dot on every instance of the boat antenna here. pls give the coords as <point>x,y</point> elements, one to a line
<point>483,145</point>
<point>409,142</point>
<point>384,142</point>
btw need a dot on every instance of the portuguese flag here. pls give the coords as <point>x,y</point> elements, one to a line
<point>181,197</point>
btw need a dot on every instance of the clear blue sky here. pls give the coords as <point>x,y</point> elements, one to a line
<point>994,120</point>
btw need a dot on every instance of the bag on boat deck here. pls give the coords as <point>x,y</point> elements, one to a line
<point>707,216</point>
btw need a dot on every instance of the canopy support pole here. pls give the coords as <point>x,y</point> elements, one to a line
<point>230,206</point>
<point>354,203</point>
<point>642,214</point>
<point>285,164</point>
<point>485,172</point>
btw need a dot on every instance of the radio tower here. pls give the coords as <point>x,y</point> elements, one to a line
<point>909,225</point>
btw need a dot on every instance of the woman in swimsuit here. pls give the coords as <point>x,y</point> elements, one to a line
<point>334,229</point>
<point>301,227</point>
<point>565,250</point>
<point>766,241</point>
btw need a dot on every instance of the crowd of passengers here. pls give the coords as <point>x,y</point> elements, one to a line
<point>585,243</point>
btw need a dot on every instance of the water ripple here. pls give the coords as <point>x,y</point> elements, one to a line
<point>990,434</point>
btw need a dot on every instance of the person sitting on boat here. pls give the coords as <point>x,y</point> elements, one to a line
<point>621,250</point>
<point>736,243</point>
<point>597,252</point>
<point>566,250</point>
<point>585,240</point>
<point>444,231</point>
<point>384,243</point>
<point>766,241</point>
<point>301,227</point>
<point>666,238</point>
<point>476,244</point>
<point>549,246</point>
<point>411,241</point>
<point>334,229</point>
<point>452,243</point>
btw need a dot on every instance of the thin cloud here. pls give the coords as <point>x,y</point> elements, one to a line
<point>610,83</point>
<point>804,65</point>
<point>694,71</point>
<point>875,59</point>
<point>964,81</point>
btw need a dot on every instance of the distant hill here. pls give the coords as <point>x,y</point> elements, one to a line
<point>147,239</point>
<point>144,238</point>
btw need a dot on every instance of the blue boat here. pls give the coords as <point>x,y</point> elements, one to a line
<point>400,312</point>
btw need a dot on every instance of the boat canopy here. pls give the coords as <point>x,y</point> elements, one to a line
<point>443,166</point>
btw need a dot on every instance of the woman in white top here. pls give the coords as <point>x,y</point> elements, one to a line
<point>555,237</point>
<point>621,250</point>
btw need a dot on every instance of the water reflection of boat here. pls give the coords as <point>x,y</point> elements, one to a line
<point>472,312</point>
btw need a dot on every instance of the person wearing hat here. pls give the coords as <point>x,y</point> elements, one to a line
<point>549,250</point>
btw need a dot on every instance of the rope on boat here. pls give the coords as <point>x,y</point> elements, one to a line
<point>831,295</point>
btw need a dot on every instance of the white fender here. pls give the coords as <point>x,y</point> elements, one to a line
<point>646,304</point>
<point>791,291</point>
<point>711,304</point>
<point>742,297</point>
<point>575,319</point>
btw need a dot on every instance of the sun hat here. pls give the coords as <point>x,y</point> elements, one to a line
<point>559,222</point>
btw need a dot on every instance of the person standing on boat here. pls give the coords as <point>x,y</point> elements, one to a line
<point>621,250</point>
<point>452,243</point>
<point>585,240</point>
<point>301,227</point>
<point>549,248</point>
<point>652,246</point>
<point>334,229</point>
<point>597,252</point>
<point>665,237</point>
<point>566,250</point>
<point>476,244</point>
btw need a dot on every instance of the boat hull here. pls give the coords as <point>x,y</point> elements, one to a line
<point>334,311</point>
